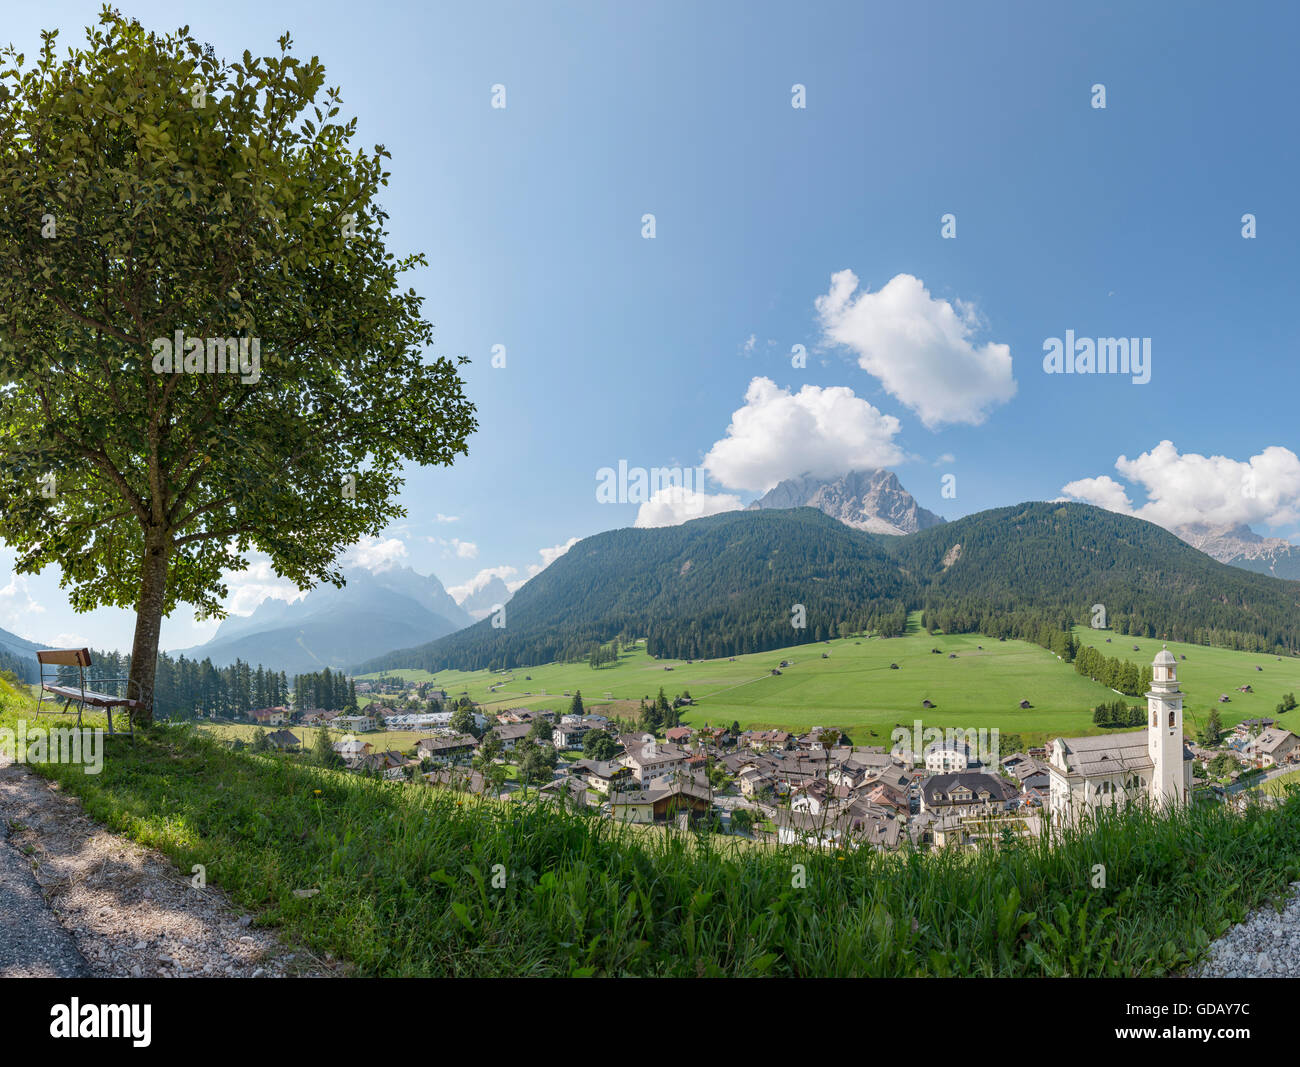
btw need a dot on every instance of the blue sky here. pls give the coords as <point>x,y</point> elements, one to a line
<point>1122,221</point>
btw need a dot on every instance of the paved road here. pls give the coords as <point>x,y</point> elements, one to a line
<point>32,943</point>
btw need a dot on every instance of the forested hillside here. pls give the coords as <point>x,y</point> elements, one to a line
<point>728,584</point>
<point>719,586</point>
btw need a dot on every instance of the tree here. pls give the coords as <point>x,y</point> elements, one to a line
<point>541,730</point>
<point>463,721</point>
<point>155,194</point>
<point>261,742</point>
<point>1213,730</point>
<point>537,763</point>
<point>489,748</point>
<point>322,750</point>
<point>598,745</point>
<point>575,705</point>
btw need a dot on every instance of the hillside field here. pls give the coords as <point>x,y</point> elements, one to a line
<point>855,689</point>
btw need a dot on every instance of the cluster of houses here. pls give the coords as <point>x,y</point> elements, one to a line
<point>813,787</point>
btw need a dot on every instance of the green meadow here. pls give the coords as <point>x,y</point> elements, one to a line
<point>1208,673</point>
<point>855,688</point>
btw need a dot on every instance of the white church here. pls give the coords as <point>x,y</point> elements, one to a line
<point>1151,765</point>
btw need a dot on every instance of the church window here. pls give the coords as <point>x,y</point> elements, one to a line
<point>1171,718</point>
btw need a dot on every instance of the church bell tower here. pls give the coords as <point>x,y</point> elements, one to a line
<point>1165,732</point>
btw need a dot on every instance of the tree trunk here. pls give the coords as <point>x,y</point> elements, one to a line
<point>148,627</point>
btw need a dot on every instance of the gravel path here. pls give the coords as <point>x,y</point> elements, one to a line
<point>74,895</point>
<point>1266,945</point>
<point>32,943</point>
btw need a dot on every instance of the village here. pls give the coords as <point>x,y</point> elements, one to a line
<point>773,785</point>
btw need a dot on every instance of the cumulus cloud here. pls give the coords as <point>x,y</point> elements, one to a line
<point>1103,491</point>
<point>376,554</point>
<point>440,517</point>
<point>1185,488</point>
<point>779,434</point>
<point>465,549</point>
<point>258,582</point>
<point>920,348</point>
<point>674,505</point>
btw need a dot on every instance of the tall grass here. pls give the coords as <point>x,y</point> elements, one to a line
<point>406,878</point>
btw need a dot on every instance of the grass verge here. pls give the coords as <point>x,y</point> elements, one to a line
<point>405,877</point>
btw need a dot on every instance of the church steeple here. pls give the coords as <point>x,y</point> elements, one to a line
<point>1165,731</point>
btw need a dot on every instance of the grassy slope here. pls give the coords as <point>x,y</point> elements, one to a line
<point>1208,672</point>
<point>404,875</point>
<point>855,688</point>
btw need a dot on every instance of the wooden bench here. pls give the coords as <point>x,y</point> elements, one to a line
<point>79,693</point>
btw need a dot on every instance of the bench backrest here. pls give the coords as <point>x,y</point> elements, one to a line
<point>65,657</point>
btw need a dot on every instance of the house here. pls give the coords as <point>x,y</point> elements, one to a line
<point>351,749</point>
<point>602,775</point>
<point>283,740</point>
<point>1273,746</point>
<point>650,760</point>
<point>512,734</point>
<point>461,779</point>
<point>277,716</point>
<point>966,791</point>
<point>444,747</point>
<point>816,797</point>
<point>569,735</point>
<point>390,765</point>
<point>1032,773</point>
<point>950,755</point>
<point>660,802</point>
<point>764,740</point>
<point>318,717</point>
<point>678,734</point>
<point>847,829</point>
<point>1150,765</point>
<point>357,723</point>
<point>567,788</point>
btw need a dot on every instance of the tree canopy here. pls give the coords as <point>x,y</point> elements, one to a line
<point>204,347</point>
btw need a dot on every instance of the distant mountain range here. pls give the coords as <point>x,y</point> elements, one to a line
<point>732,583</point>
<point>17,654</point>
<point>337,628</point>
<point>1242,547</point>
<point>479,604</point>
<point>870,500</point>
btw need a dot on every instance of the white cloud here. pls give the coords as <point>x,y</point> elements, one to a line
<point>549,556</point>
<point>919,348</point>
<point>376,554</point>
<point>1103,491</point>
<point>465,549</point>
<point>440,517</point>
<point>674,505</point>
<point>1191,488</point>
<point>779,434</point>
<point>17,606</point>
<point>258,582</point>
